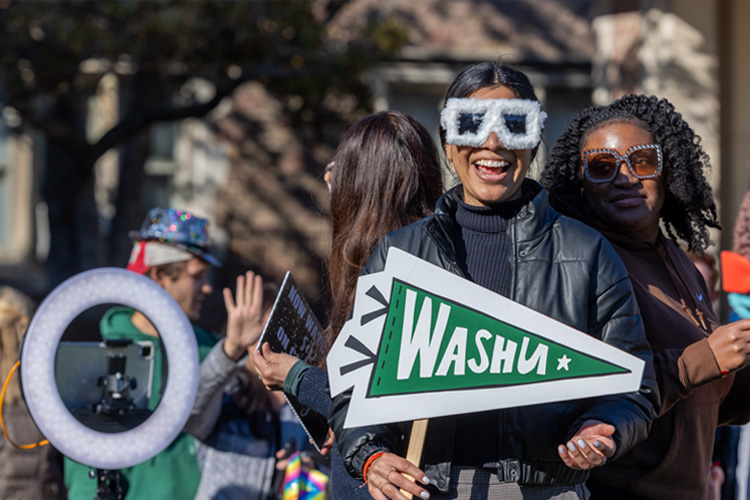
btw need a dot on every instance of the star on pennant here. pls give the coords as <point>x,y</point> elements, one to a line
<point>562,363</point>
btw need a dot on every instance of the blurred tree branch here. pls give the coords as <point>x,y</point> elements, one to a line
<point>53,55</point>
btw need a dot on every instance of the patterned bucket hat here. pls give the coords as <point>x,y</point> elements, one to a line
<point>178,229</point>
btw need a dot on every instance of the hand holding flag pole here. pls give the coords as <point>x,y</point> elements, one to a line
<point>416,445</point>
<point>390,476</point>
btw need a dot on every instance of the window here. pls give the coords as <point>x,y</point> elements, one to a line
<point>163,159</point>
<point>161,166</point>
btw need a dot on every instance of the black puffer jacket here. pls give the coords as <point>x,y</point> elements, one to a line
<point>559,267</point>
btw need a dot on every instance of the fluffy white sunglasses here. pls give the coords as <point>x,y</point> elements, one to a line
<point>518,123</point>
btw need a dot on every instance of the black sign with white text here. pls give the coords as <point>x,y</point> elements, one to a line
<point>292,328</point>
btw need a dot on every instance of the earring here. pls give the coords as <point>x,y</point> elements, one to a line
<point>451,167</point>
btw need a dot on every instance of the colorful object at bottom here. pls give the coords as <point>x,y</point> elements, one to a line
<point>302,482</point>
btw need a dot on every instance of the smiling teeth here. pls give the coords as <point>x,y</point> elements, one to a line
<point>492,163</point>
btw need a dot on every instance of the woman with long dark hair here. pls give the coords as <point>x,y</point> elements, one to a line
<point>385,175</point>
<point>629,169</point>
<point>497,230</point>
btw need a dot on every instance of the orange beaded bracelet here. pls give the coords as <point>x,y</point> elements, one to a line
<point>369,462</point>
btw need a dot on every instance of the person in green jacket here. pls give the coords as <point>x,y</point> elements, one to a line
<point>172,248</point>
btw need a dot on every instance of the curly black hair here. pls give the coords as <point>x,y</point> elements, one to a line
<point>689,208</point>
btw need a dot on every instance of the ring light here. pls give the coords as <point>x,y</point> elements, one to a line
<point>56,423</point>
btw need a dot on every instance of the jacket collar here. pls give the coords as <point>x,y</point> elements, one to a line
<point>531,220</point>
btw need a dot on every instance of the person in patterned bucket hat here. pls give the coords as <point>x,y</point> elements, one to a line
<point>172,248</point>
<point>169,234</point>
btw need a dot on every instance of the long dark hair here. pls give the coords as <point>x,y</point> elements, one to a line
<point>387,175</point>
<point>689,208</point>
<point>490,74</point>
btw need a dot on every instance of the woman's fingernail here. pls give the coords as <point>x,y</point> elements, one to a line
<point>597,444</point>
<point>424,494</point>
<point>561,449</point>
<point>581,443</point>
<point>571,446</point>
<point>425,480</point>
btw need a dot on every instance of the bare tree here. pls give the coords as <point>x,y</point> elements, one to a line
<point>156,48</point>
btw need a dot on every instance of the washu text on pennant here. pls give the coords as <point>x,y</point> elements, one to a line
<point>423,342</point>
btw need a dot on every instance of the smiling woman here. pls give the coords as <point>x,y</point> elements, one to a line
<point>490,173</point>
<point>626,169</point>
<point>623,198</point>
<point>497,230</point>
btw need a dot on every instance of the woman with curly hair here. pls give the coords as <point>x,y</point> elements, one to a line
<point>624,169</point>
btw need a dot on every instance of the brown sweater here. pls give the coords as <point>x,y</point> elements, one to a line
<point>674,460</point>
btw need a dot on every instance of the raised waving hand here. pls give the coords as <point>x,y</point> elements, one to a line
<point>244,314</point>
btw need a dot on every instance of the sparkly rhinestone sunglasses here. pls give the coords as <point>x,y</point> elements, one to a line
<point>601,165</point>
<point>518,123</point>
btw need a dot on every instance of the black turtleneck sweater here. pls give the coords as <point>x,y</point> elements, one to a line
<point>482,250</point>
<point>482,242</point>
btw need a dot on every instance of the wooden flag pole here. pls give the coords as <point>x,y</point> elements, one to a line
<point>416,445</point>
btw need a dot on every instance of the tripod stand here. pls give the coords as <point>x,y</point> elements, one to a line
<point>109,484</point>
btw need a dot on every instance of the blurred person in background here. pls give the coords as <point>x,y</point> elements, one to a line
<point>385,174</point>
<point>734,445</point>
<point>173,249</point>
<point>33,474</point>
<point>245,433</point>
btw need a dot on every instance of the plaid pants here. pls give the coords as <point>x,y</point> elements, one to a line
<point>469,483</point>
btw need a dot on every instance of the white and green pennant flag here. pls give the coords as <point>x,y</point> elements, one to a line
<point>423,342</point>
